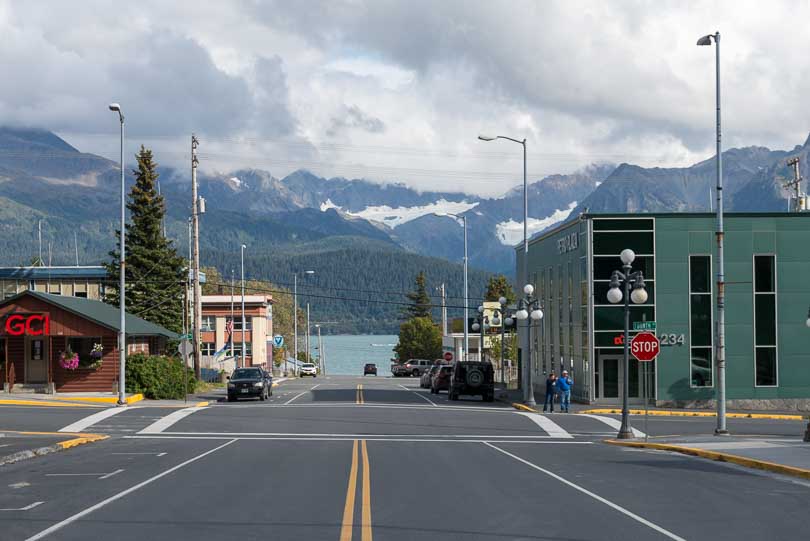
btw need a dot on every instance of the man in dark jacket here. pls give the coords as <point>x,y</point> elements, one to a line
<point>551,382</point>
<point>564,384</point>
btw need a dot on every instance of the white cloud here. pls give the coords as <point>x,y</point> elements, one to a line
<point>398,91</point>
<point>392,217</point>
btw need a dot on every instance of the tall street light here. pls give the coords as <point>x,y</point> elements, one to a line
<point>721,285</point>
<point>295,315</point>
<point>463,219</point>
<point>481,324</point>
<point>529,311</point>
<point>122,334</point>
<point>528,393</point>
<point>626,279</point>
<point>243,306</point>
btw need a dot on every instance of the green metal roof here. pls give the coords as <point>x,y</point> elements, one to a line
<point>99,312</point>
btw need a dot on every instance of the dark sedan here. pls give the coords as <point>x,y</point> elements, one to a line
<point>249,383</point>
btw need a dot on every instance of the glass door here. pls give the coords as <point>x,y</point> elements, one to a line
<point>36,361</point>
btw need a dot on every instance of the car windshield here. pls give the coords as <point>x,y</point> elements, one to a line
<point>243,373</point>
<point>307,365</point>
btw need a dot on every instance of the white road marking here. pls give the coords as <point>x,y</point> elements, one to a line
<point>300,394</point>
<point>553,429</point>
<point>370,438</point>
<point>26,508</point>
<point>356,436</point>
<point>420,395</point>
<point>384,405</point>
<point>156,454</point>
<point>116,472</point>
<point>165,422</point>
<point>596,497</point>
<point>612,423</point>
<point>83,424</point>
<point>22,484</point>
<point>73,518</point>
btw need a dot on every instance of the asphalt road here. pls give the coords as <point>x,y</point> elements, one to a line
<point>344,458</point>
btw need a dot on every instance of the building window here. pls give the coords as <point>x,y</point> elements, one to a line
<point>83,346</point>
<point>237,348</point>
<point>208,348</point>
<point>208,323</point>
<point>700,321</point>
<point>765,350</point>
<point>237,323</point>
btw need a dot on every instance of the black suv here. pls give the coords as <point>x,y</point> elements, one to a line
<point>472,378</point>
<point>249,382</point>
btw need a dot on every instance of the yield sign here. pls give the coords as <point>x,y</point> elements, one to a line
<point>645,346</point>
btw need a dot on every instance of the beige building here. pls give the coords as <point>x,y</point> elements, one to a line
<point>86,282</point>
<point>217,311</point>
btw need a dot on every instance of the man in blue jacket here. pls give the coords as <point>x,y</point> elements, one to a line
<point>564,384</point>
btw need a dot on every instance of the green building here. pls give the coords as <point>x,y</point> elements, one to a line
<point>767,268</point>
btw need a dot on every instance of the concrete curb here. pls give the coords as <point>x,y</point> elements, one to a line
<point>43,404</point>
<point>100,399</point>
<point>717,456</point>
<point>79,439</point>
<point>681,413</point>
<point>522,407</point>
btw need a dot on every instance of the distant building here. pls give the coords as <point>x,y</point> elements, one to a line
<point>86,282</point>
<point>258,333</point>
<point>767,266</point>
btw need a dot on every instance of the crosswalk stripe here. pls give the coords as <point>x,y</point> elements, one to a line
<point>612,423</point>
<point>553,429</point>
<point>87,422</point>
<point>165,422</point>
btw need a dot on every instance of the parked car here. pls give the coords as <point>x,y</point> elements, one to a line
<point>441,379</point>
<point>424,380</point>
<point>370,368</point>
<point>399,370</point>
<point>415,367</point>
<point>473,378</point>
<point>308,369</point>
<point>249,382</point>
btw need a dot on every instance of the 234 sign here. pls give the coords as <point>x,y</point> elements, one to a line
<point>671,339</point>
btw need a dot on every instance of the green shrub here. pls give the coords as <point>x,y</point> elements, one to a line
<point>158,377</point>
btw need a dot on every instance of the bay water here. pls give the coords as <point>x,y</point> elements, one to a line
<point>346,354</point>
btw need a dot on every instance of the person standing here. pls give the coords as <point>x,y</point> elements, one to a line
<point>551,383</point>
<point>564,384</point>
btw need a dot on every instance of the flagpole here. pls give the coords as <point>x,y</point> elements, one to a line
<point>230,335</point>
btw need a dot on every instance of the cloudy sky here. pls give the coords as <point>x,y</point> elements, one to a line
<point>398,90</point>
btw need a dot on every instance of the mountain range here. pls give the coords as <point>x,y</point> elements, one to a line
<point>43,177</point>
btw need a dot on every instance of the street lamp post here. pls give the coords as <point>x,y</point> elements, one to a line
<point>244,358</point>
<point>295,318</point>
<point>503,321</point>
<point>626,279</point>
<point>719,234</point>
<point>528,393</point>
<point>463,219</point>
<point>481,324</point>
<point>122,333</point>
<point>529,310</point>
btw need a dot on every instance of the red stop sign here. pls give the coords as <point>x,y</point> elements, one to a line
<point>448,356</point>
<point>645,346</point>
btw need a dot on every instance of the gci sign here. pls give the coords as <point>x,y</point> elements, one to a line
<point>28,324</point>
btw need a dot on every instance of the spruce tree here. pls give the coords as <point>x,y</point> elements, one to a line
<point>154,272</point>
<point>499,286</point>
<point>420,300</point>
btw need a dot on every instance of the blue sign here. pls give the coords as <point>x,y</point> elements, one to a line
<point>278,341</point>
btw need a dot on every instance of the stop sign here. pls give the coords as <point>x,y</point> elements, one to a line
<point>448,356</point>
<point>645,346</point>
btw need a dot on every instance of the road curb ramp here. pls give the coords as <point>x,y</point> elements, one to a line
<point>717,456</point>
<point>683,413</point>
<point>523,407</point>
<point>76,440</point>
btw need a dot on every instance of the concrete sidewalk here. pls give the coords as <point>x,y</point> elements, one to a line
<point>788,456</point>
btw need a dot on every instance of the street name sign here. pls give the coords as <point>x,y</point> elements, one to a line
<point>645,346</point>
<point>644,325</point>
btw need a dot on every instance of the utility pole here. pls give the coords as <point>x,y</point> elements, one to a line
<point>444,310</point>
<point>233,282</point>
<point>309,359</point>
<point>76,244</point>
<point>795,184</point>
<point>39,234</point>
<point>320,351</point>
<point>195,276</point>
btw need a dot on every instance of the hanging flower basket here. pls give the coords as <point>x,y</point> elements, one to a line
<point>96,356</point>
<point>68,359</point>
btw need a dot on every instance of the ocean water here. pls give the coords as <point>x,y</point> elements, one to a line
<point>346,354</point>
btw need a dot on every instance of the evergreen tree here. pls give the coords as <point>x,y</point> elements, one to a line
<point>419,338</point>
<point>154,272</point>
<point>497,287</point>
<point>420,300</point>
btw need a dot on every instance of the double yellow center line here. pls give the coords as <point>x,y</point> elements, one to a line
<point>348,509</point>
<point>360,399</point>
